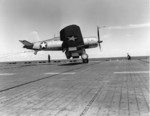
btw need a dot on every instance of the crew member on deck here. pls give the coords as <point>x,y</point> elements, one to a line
<point>128,56</point>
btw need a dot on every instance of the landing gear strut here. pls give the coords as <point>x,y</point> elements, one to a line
<point>85,58</point>
<point>35,52</point>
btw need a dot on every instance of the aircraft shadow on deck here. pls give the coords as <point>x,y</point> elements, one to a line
<point>70,64</point>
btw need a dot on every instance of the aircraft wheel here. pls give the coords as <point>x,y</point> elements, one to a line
<point>85,60</point>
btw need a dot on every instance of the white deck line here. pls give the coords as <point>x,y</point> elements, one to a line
<point>131,72</point>
<point>7,74</point>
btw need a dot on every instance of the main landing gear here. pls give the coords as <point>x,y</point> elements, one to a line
<point>85,58</point>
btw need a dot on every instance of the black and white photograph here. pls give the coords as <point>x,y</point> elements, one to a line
<point>74,57</point>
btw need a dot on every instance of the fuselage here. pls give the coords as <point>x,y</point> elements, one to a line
<point>55,44</point>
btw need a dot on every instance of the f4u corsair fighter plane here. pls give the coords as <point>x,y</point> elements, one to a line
<point>70,41</point>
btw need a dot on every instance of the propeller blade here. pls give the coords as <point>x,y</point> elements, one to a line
<point>99,46</point>
<point>98,35</point>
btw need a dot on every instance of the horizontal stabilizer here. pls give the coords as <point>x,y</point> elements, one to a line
<point>26,43</point>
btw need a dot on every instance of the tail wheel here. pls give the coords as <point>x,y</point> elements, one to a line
<point>85,58</point>
<point>35,52</point>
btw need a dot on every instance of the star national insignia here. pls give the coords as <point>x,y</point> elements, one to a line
<point>72,38</point>
<point>43,45</point>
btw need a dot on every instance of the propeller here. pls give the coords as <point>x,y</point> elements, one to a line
<point>98,35</point>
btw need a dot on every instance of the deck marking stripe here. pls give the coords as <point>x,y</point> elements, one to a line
<point>131,72</point>
<point>51,73</point>
<point>7,74</point>
<point>69,73</point>
<point>60,73</point>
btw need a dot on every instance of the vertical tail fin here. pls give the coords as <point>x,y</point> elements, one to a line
<point>34,36</point>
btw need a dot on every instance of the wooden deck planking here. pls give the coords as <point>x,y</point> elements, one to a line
<point>90,93</point>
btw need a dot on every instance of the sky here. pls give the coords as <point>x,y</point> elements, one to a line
<point>125,26</point>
